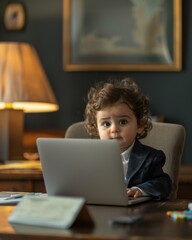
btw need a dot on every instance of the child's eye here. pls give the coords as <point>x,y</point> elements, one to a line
<point>123,122</point>
<point>106,124</point>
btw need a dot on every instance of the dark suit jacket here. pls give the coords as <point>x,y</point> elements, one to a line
<point>145,171</point>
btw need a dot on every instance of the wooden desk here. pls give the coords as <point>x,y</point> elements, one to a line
<point>24,176</point>
<point>155,225</point>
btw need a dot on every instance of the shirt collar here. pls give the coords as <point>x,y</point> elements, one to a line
<point>126,154</point>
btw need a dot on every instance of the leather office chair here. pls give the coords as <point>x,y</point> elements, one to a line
<point>168,137</point>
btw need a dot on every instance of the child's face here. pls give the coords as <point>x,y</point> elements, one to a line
<point>118,122</point>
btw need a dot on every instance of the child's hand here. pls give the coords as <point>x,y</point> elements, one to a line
<point>134,192</point>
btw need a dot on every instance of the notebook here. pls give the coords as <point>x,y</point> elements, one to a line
<point>88,168</point>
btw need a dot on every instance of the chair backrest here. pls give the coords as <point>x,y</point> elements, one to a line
<point>168,137</point>
<point>77,130</point>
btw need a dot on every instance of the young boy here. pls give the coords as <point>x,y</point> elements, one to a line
<point>118,110</point>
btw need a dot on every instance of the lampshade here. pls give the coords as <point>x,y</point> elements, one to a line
<point>23,82</point>
<point>24,87</point>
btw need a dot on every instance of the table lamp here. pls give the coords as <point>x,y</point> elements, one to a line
<point>24,88</point>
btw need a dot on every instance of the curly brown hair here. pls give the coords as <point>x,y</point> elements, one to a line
<point>105,94</point>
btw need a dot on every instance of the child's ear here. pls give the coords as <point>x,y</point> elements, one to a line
<point>141,126</point>
<point>96,132</point>
<point>140,129</point>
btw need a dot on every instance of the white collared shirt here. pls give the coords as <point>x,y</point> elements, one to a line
<point>125,158</point>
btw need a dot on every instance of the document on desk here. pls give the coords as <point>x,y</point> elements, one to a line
<point>7,198</point>
<point>56,212</point>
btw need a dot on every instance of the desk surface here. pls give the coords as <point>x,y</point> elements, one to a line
<point>155,225</point>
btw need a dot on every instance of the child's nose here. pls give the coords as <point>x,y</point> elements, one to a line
<point>114,128</point>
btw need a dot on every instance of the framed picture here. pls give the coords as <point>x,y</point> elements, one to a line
<point>123,35</point>
<point>14,16</point>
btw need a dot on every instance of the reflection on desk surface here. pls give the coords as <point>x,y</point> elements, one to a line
<point>154,224</point>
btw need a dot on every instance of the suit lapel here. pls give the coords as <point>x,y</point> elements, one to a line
<point>137,157</point>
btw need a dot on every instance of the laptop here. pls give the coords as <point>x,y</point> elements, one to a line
<point>88,168</point>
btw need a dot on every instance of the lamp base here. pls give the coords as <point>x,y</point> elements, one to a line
<point>11,133</point>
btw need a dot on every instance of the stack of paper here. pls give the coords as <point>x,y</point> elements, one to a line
<point>56,212</point>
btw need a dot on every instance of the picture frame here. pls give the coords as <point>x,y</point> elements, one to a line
<point>14,16</point>
<point>125,35</point>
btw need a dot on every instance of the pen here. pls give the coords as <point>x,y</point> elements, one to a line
<point>15,196</point>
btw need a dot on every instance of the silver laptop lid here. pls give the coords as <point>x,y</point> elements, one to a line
<point>89,168</point>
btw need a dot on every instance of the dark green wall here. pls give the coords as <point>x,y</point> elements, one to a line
<point>170,92</point>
